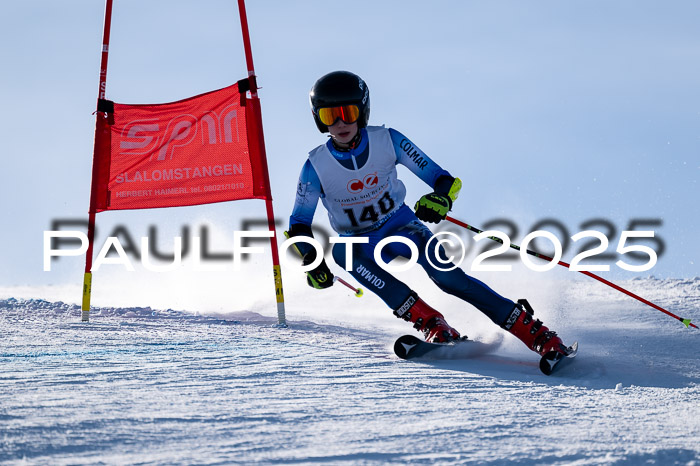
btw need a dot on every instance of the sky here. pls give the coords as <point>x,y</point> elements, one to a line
<point>584,115</point>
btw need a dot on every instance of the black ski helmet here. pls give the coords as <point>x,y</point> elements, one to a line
<point>340,88</point>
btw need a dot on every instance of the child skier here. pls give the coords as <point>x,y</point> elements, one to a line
<point>354,175</point>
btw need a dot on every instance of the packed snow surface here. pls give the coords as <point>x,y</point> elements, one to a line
<point>148,386</point>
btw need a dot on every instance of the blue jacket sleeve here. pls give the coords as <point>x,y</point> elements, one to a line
<point>409,155</point>
<point>308,192</point>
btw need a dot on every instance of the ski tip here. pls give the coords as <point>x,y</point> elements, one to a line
<point>404,345</point>
<point>573,349</point>
<point>551,360</point>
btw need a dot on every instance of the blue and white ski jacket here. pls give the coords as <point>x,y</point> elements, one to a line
<point>359,188</point>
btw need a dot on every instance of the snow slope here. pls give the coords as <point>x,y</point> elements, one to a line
<point>144,386</point>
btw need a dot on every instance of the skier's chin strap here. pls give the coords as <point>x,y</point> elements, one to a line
<point>354,142</point>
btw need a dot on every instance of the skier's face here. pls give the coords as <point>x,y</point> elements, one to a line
<point>342,133</point>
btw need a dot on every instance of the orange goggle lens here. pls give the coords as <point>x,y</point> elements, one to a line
<point>347,113</point>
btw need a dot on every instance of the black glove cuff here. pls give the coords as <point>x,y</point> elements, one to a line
<point>443,185</point>
<point>300,229</point>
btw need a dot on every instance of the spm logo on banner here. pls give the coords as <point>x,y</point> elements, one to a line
<point>189,152</point>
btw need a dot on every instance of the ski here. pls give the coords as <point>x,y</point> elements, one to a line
<point>411,347</point>
<point>554,359</point>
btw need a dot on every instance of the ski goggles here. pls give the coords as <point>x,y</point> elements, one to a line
<point>329,115</point>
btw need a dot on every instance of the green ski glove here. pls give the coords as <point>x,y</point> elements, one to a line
<point>433,207</point>
<point>321,277</point>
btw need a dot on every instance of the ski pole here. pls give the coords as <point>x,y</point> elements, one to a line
<point>358,291</point>
<point>685,322</point>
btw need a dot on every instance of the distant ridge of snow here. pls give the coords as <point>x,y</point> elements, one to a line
<point>27,307</point>
<point>676,293</point>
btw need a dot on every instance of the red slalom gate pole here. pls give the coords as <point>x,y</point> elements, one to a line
<point>254,102</point>
<point>685,322</point>
<point>99,128</point>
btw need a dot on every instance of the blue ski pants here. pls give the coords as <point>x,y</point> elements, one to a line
<point>392,291</point>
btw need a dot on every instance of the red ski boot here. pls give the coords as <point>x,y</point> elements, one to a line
<point>427,320</point>
<point>533,333</point>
